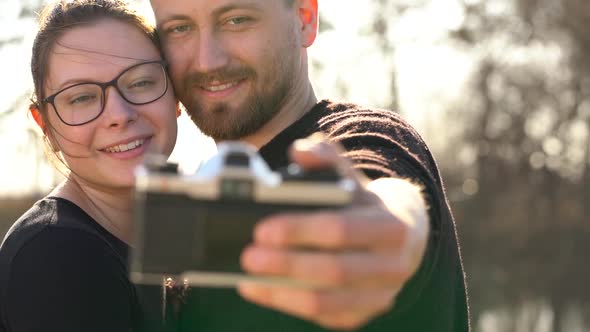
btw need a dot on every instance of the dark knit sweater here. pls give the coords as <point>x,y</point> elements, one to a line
<point>380,144</point>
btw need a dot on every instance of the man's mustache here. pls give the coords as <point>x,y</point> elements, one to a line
<point>222,75</point>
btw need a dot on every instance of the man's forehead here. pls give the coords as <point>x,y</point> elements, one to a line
<point>165,6</point>
<point>206,2</point>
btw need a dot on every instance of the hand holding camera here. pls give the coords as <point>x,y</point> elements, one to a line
<point>359,257</point>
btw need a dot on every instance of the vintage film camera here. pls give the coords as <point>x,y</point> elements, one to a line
<point>194,227</point>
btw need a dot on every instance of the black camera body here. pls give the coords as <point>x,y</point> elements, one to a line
<point>197,225</point>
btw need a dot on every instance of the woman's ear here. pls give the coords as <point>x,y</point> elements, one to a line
<point>34,110</point>
<point>178,109</point>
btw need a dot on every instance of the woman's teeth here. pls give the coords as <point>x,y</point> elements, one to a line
<point>125,147</point>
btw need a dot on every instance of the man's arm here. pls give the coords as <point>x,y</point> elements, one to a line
<point>365,254</point>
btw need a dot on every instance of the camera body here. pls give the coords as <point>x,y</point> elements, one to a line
<point>198,224</point>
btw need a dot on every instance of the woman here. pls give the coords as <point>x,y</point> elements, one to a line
<point>103,101</point>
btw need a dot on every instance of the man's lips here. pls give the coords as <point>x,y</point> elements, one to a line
<point>221,89</point>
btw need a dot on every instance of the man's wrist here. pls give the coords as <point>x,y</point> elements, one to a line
<point>406,202</point>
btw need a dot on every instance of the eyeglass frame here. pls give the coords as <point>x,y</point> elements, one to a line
<point>51,99</point>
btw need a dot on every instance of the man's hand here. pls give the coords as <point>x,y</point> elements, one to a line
<point>359,257</point>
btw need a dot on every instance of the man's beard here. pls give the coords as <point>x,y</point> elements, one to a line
<point>261,105</point>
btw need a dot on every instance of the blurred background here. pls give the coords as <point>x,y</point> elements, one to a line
<point>499,89</point>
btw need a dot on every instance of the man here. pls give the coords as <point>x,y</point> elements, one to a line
<point>391,261</point>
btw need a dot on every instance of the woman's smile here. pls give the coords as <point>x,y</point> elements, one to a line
<point>129,149</point>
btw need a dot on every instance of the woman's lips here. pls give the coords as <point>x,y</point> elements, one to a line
<point>128,150</point>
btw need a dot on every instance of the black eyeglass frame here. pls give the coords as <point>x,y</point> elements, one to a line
<point>104,86</point>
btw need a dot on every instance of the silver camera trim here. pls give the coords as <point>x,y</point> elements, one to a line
<point>268,185</point>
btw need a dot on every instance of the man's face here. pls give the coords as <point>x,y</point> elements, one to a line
<point>234,63</point>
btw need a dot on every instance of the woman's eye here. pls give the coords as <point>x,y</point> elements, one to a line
<point>84,99</point>
<point>141,84</point>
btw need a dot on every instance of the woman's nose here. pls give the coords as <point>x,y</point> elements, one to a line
<point>117,111</point>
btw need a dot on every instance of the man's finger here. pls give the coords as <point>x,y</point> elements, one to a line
<point>317,152</point>
<point>319,306</point>
<point>329,270</point>
<point>365,228</point>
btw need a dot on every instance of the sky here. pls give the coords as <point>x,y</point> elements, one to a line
<point>429,75</point>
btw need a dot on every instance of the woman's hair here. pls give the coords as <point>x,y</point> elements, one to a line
<point>54,21</point>
<point>61,16</point>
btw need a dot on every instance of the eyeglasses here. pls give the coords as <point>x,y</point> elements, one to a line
<point>139,84</point>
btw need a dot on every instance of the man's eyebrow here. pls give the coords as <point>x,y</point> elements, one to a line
<point>231,6</point>
<point>179,17</point>
<point>216,12</point>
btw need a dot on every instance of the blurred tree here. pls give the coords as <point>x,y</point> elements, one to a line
<point>521,164</point>
<point>26,10</point>
<point>20,17</point>
<point>386,15</point>
<point>528,121</point>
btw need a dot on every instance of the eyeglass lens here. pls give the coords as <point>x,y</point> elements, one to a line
<point>138,85</point>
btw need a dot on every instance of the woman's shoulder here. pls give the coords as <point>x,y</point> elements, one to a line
<point>56,232</point>
<point>42,214</point>
<point>47,213</point>
<point>50,265</point>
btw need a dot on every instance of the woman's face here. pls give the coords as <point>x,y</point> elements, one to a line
<point>104,152</point>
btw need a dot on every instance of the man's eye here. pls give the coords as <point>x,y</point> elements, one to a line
<point>238,20</point>
<point>179,28</point>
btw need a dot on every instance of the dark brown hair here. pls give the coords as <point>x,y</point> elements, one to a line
<point>61,16</point>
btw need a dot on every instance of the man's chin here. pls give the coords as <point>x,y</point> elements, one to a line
<point>219,125</point>
<point>225,121</point>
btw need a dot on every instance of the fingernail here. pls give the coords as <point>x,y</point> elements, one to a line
<point>304,145</point>
<point>311,143</point>
<point>318,137</point>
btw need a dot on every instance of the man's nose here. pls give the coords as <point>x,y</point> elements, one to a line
<point>118,112</point>
<point>211,53</point>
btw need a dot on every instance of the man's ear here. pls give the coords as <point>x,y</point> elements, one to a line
<point>309,18</point>
<point>34,110</point>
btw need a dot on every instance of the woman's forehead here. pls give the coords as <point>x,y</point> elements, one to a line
<point>106,40</point>
<point>98,51</point>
